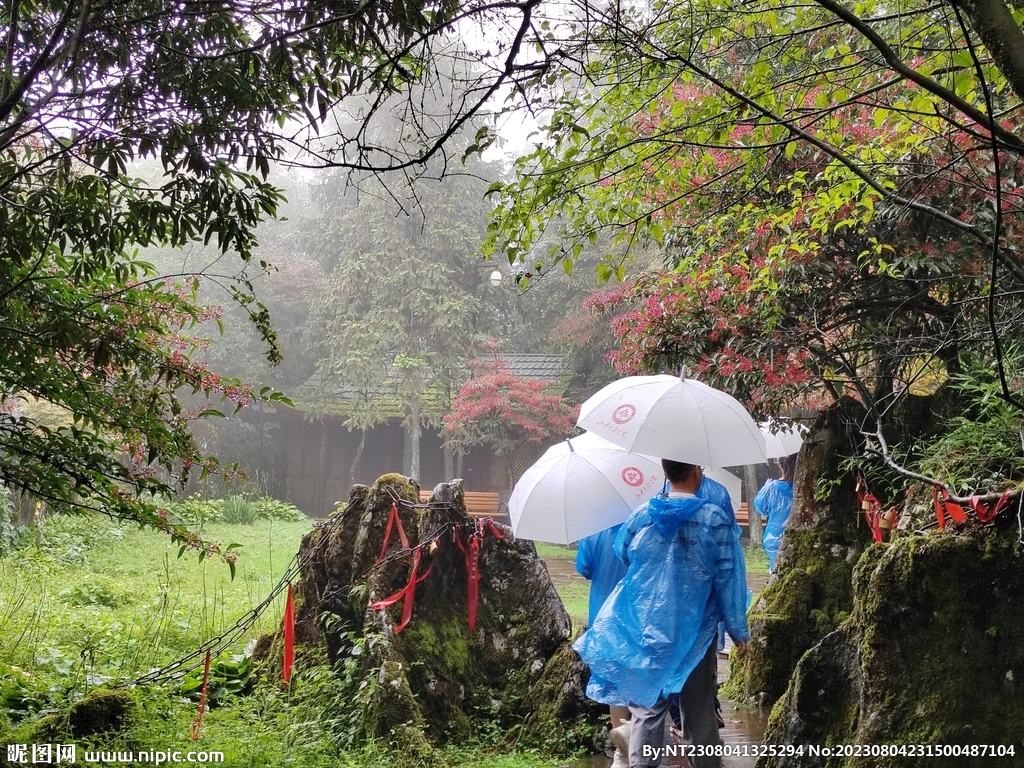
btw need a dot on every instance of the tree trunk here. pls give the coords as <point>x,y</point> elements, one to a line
<point>449,463</point>
<point>355,462</point>
<point>1002,37</point>
<point>415,431</point>
<point>750,489</point>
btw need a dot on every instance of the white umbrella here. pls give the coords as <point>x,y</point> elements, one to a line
<point>785,440</point>
<point>579,487</point>
<point>674,418</point>
<point>732,484</point>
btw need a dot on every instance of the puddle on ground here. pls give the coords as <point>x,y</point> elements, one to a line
<point>562,571</point>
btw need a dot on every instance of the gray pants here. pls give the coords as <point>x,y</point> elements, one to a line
<point>697,705</point>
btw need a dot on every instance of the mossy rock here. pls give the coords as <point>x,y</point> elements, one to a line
<point>822,705</point>
<point>809,597</point>
<point>392,703</point>
<point>564,719</point>
<point>433,681</point>
<point>103,711</point>
<point>932,654</point>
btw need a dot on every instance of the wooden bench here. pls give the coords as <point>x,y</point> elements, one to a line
<point>743,516</point>
<point>478,503</point>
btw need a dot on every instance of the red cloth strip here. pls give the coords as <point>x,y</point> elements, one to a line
<point>939,514</point>
<point>393,521</point>
<point>407,592</point>
<point>981,508</point>
<point>289,637</point>
<point>943,504</point>
<point>473,574</point>
<point>873,515</point>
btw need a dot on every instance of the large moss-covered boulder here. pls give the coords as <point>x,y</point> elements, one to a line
<point>810,593</point>
<point>435,679</point>
<point>932,654</point>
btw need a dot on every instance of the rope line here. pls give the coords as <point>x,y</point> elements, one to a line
<point>217,645</point>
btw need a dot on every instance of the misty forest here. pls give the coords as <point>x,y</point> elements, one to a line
<point>294,298</point>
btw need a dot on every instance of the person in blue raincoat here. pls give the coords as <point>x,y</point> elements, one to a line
<point>775,501</point>
<point>657,629</point>
<point>597,562</point>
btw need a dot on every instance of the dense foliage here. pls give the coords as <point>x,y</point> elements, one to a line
<point>836,193</point>
<point>202,91</point>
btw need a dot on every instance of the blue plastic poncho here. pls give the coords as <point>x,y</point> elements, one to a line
<point>661,617</point>
<point>596,561</point>
<point>716,493</point>
<point>774,501</point>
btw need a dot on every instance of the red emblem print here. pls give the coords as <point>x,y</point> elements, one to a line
<point>623,413</point>
<point>633,477</point>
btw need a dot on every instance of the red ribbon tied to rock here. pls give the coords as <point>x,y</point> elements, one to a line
<point>407,592</point>
<point>470,549</point>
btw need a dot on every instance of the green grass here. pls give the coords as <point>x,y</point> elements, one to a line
<point>757,560</point>
<point>112,601</point>
<point>572,588</point>
<point>100,603</point>
<point>555,551</point>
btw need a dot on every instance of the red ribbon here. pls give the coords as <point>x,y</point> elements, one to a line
<point>944,505</point>
<point>407,592</point>
<point>982,510</point>
<point>471,550</point>
<point>289,637</point>
<point>198,722</point>
<point>874,517</point>
<point>393,521</point>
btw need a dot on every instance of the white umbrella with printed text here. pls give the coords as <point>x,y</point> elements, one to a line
<point>785,440</point>
<point>674,417</point>
<point>578,487</point>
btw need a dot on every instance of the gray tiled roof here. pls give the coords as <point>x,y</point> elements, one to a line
<point>528,366</point>
<point>535,366</point>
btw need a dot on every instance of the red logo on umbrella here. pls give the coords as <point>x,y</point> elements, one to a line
<point>623,413</point>
<point>633,477</point>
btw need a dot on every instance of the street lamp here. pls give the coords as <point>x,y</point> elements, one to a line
<point>496,278</point>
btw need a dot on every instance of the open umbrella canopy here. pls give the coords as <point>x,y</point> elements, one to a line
<point>674,417</point>
<point>732,484</point>
<point>782,438</point>
<point>579,487</point>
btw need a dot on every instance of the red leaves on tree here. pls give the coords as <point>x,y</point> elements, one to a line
<point>501,409</point>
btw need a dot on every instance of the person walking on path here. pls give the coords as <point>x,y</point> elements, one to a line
<point>657,629</point>
<point>597,562</point>
<point>775,501</point>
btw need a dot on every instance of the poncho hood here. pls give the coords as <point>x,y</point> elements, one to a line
<point>667,513</point>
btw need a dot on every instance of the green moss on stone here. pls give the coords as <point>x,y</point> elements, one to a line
<point>560,725</point>
<point>392,704</point>
<point>812,597</point>
<point>401,484</point>
<point>103,711</point>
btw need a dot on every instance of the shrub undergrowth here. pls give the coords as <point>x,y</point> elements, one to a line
<point>98,603</point>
